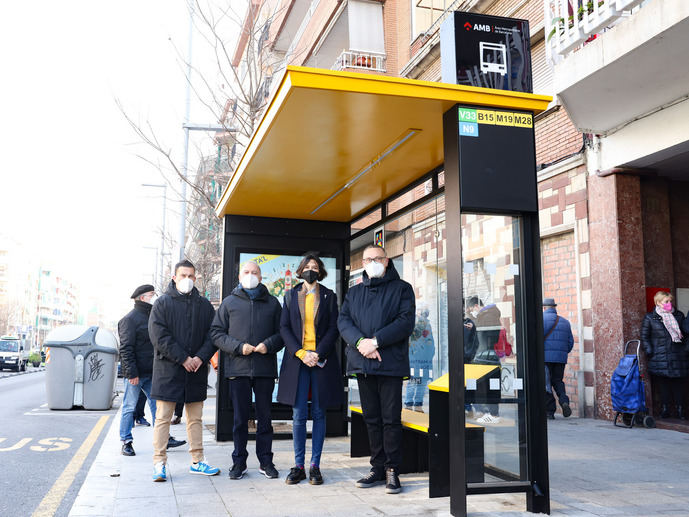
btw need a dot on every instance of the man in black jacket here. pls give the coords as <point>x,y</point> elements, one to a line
<point>247,328</point>
<point>179,327</point>
<point>136,357</point>
<point>376,320</point>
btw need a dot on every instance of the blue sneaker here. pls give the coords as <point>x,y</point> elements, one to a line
<point>204,469</point>
<point>159,472</point>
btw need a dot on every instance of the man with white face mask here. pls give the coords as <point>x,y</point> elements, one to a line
<point>376,320</point>
<point>179,327</point>
<point>247,328</point>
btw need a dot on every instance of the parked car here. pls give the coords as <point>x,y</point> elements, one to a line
<point>13,354</point>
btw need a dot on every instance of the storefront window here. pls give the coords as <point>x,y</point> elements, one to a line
<point>493,347</point>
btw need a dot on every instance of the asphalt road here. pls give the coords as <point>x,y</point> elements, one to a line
<point>38,444</point>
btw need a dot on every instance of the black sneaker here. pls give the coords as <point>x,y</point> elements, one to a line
<point>372,479</point>
<point>172,443</point>
<point>392,482</point>
<point>143,422</point>
<point>566,410</point>
<point>237,471</point>
<point>550,416</point>
<point>315,476</point>
<point>128,449</point>
<point>296,474</point>
<point>269,471</point>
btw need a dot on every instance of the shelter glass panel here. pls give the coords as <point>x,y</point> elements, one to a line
<point>494,346</point>
<point>415,243</point>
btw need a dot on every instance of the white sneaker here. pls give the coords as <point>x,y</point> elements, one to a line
<point>488,419</point>
<point>159,472</point>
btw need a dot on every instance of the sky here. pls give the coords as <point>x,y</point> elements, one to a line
<point>70,177</point>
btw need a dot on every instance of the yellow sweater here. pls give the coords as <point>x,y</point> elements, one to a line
<point>309,327</point>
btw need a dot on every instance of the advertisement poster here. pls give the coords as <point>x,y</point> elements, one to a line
<point>279,272</point>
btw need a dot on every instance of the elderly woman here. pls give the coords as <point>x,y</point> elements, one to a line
<point>668,361</point>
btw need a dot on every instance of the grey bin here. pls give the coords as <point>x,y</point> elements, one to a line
<point>81,367</point>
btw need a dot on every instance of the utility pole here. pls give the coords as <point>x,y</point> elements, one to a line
<point>162,230</point>
<point>183,211</point>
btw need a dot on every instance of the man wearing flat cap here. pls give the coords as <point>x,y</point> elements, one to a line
<point>558,343</point>
<point>136,357</point>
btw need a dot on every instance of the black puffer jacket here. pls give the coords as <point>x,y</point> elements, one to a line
<point>383,308</point>
<point>179,328</point>
<point>242,320</point>
<point>665,358</point>
<point>136,350</point>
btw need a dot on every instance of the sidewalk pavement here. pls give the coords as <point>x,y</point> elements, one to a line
<point>595,469</point>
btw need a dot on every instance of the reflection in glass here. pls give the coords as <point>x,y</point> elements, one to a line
<point>415,242</point>
<point>494,397</point>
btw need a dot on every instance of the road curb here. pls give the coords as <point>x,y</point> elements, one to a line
<point>14,374</point>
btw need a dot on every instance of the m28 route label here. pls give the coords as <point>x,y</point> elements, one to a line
<point>496,118</point>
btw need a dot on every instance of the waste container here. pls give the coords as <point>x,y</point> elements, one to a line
<point>81,367</point>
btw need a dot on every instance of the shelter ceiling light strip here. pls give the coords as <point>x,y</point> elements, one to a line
<point>410,133</point>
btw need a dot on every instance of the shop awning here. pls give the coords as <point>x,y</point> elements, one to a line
<point>332,144</point>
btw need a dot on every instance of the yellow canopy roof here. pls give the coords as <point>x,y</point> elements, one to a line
<point>332,144</point>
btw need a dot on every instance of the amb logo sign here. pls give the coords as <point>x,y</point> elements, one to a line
<point>469,120</point>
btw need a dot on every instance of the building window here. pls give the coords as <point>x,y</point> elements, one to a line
<point>425,13</point>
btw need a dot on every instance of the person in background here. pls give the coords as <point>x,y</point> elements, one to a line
<point>421,352</point>
<point>179,408</point>
<point>136,358</point>
<point>139,415</point>
<point>310,365</point>
<point>665,347</point>
<point>488,325</point>
<point>376,320</point>
<point>247,329</point>
<point>470,347</point>
<point>180,332</point>
<point>557,344</point>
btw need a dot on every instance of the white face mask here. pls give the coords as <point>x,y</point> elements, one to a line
<point>374,269</point>
<point>249,281</point>
<point>474,313</point>
<point>185,285</point>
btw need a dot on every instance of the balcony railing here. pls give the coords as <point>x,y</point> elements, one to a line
<point>360,60</point>
<point>571,23</point>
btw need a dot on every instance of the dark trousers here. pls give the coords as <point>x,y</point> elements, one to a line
<point>140,405</point>
<point>671,389</point>
<point>557,372</point>
<point>240,393</point>
<point>381,402</point>
<point>179,408</point>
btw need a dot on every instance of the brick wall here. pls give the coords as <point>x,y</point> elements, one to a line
<point>563,217</point>
<point>556,137</point>
<point>560,282</point>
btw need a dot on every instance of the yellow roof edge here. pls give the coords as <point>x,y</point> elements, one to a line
<point>281,94</point>
<point>302,77</point>
<point>317,78</point>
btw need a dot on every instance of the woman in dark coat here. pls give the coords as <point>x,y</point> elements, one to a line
<point>668,360</point>
<point>309,328</point>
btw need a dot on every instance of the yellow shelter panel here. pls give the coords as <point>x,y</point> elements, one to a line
<point>471,371</point>
<point>332,144</point>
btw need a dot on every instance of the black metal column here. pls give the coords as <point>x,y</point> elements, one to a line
<point>455,334</point>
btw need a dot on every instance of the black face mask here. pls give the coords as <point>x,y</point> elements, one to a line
<point>309,275</point>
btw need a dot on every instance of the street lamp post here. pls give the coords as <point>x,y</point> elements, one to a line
<point>162,230</point>
<point>155,274</point>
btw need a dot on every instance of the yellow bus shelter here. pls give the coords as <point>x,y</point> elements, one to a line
<point>442,175</point>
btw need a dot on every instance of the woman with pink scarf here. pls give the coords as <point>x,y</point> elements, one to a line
<point>666,349</point>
